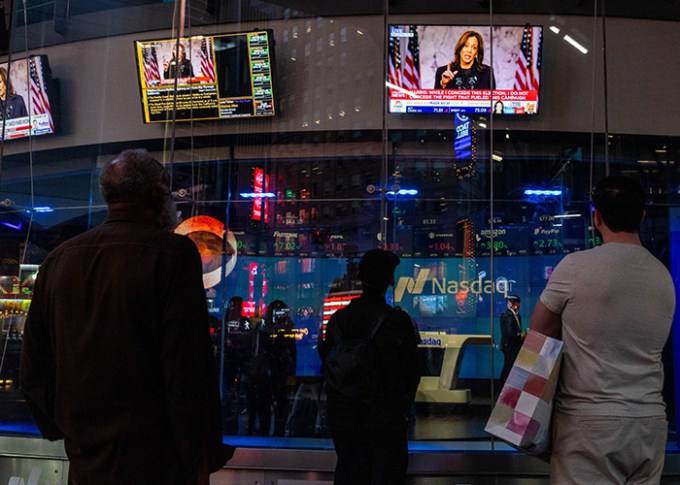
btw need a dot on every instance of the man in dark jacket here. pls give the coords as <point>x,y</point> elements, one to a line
<point>117,358</point>
<point>370,435</point>
<point>512,335</point>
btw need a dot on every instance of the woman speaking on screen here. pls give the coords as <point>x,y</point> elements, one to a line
<point>11,104</point>
<point>467,70</point>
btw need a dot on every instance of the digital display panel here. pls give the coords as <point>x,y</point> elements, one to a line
<point>206,77</point>
<point>452,69</point>
<point>27,98</point>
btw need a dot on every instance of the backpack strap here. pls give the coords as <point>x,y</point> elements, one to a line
<point>381,318</point>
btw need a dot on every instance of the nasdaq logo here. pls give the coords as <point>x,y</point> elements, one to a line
<point>413,286</point>
<point>444,286</point>
<point>431,342</point>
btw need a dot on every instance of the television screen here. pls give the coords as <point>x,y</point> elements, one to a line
<point>27,97</point>
<point>464,69</point>
<point>206,77</point>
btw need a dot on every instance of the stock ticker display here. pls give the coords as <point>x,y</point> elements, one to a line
<point>466,238</point>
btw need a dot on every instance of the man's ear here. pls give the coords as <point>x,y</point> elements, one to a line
<point>597,218</point>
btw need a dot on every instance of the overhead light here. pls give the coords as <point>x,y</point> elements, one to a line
<point>647,162</point>
<point>496,158</point>
<point>544,193</point>
<point>43,209</point>
<point>566,216</point>
<point>576,44</point>
<point>403,192</point>
<point>555,29</point>
<point>482,124</point>
<point>257,195</point>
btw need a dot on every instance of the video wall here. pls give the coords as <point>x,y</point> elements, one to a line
<point>454,295</point>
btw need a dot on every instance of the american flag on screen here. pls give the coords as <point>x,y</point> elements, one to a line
<point>394,62</point>
<point>151,70</point>
<point>207,65</point>
<point>39,101</point>
<point>411,65</point>
<point>334,302</point>
<point>527,74</point>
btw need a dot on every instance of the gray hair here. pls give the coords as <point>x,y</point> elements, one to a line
<point>131,176</point>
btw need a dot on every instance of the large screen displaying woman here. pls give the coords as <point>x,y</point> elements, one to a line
<point>464,69</point>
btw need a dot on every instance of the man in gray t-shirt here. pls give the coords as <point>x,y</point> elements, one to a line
<point>613,306</point>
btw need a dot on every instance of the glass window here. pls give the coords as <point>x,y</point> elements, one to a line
<point>481,192</point>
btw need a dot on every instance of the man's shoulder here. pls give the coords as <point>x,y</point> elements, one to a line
<point>358,310</point>
<point>397,313</point>
<point>126,235</point>
<point>611,254</point>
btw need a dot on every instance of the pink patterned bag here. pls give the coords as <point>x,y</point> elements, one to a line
<point>521,416</point>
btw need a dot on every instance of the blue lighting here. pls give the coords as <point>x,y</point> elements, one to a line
<point>257,195</point>
<point>543,193</point>
<point>16,227</point>
<point>403,192</point>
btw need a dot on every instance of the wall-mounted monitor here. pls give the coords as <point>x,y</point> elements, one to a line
<point>27,98</point>
<point>207,77</point>
<point>464,69</point>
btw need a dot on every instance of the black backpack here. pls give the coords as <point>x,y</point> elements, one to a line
<point>351,366</point>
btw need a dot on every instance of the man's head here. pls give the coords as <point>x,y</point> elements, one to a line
<point>621,203</point>
<point>136,180</point>
<point>235,303</point>
<point>376,269</point>
<point>278,312</point>
<point>513,302</point>
<point>235,307</point>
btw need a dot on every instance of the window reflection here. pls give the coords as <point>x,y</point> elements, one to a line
<point>498,201</point>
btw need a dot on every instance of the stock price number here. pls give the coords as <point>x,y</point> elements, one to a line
<point>596,241</point>
<point>335,247</point>
<point>550,243</point>
<point>286,246</point>
<point>393,247</point>
<point>496,246</point>
<point>442,246</point>
<point>239,248</point>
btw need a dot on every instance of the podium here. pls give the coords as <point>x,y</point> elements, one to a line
<point>442,388</point>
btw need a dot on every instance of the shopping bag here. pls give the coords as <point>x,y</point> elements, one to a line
<point>521,416</point>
